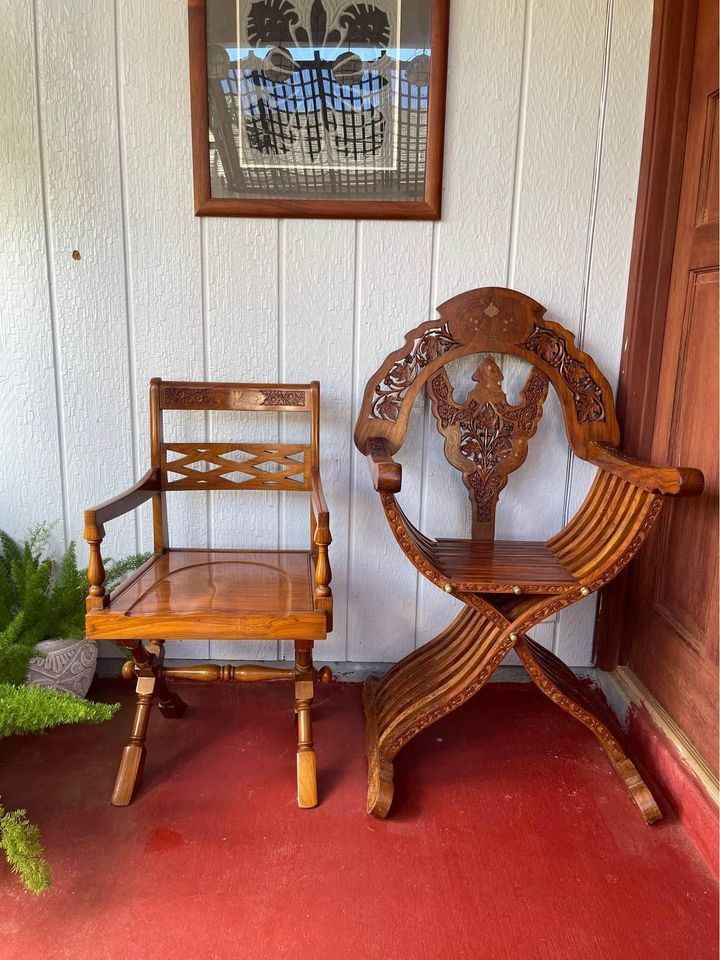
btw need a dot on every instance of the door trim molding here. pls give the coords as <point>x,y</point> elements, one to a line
<point>666,114</point>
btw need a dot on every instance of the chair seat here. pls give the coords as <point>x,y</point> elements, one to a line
<point>498,566</point>
<point>215,594</point>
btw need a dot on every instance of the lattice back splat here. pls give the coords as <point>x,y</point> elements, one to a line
<point>486,438</point>
<point>236,466</point>
<point>506,587</point>
<point>218,594</point>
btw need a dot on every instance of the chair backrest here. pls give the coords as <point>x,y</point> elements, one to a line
<point>234,466</point>
<point>486,437</point>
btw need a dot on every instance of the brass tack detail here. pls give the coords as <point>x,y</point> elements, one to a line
<point>448,588</point>
<point>517,590</point>
<point>584,592</point>
<point>513,637</point>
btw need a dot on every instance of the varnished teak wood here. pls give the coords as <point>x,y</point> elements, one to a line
<point>183,594</point>
<point>660,617</point>
<point>506,587</point>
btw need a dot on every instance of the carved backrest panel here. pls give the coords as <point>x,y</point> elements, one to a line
<point>233,466</point>
<point>255,397</point>
<point>490,320</point>
<point>486,437</point>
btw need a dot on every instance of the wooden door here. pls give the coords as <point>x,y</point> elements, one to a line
<point>665,612</point>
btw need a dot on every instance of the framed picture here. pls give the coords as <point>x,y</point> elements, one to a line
<point>318,108</point>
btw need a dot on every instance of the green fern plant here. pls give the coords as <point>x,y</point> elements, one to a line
<point>39,600</point>
<point>20,840</point>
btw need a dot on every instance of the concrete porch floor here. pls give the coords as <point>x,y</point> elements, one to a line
<point>511,837</point>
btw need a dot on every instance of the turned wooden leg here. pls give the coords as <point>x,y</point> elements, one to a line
<point>170,704</point>
<point>132,760</point>
<point>559,683</point>
<point>306,762</point>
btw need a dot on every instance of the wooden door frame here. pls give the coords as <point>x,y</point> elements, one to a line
<point>661,166</point>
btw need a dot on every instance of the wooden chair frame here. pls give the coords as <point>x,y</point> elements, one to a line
<point>506,588</point>
<point>109,615</point>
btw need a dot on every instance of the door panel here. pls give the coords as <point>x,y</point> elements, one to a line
<point>693,612</point>
<point>668,605</point>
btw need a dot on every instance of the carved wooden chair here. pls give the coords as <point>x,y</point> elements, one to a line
<point>202,594</point>
<point>506,587</point>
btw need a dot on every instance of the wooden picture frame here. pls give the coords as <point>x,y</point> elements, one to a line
<point>425,206</point>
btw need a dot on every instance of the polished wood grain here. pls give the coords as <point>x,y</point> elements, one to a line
<point>499,566</point>
<point>506,587</point>
<point>669,634</point>
<point>216,594</point>
<point>661,168</point>
<point>185,594</point>
<point>429,208</point>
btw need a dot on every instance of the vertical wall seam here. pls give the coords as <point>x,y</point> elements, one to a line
<point>281,331</point>
<point>519,155</point>
<point>592,215</point>
<point>357,280</point>
<point>205,328</point>
<point>424,435</point>
<point>129,311</point>
<point>597,169</point>
<point>50,271</point>
<point>589,245</point>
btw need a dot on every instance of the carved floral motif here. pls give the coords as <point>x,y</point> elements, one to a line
<point>390,393</point>
<point>490,439</point>
<point>197,396</point>
<point>283,398</point>
<point>552,348</point>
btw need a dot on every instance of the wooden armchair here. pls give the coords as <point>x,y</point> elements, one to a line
<point>506,587</point>
<point>182,594</point>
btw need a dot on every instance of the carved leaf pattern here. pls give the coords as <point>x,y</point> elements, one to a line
<point>283,398</point>
<point>587,395</point>
<point>390,393</point>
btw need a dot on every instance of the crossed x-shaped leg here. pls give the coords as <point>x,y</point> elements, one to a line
<point>442,675</point>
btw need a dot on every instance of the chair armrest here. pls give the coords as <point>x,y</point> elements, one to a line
<point>675,481</point>
<point>94,530</point>
<point>320,511</point>
<point>143,490</point>
<point>385,472</point>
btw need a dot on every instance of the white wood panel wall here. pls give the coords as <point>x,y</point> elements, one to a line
<point>545,110</point>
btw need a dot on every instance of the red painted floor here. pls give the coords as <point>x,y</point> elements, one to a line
<point>511,838</point>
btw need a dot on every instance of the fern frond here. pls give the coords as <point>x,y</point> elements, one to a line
<point>20,840</point>
<point>32,709</point>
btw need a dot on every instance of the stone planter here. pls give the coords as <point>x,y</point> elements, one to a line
<point>64,665</point>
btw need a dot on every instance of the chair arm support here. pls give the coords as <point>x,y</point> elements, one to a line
<point>385,472</point>
<point>322,539</point>
<point>675,481</point>
<point>320,511</point>
<point>94,530</point>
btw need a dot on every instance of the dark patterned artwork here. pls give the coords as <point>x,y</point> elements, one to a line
<point>318,99</point>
